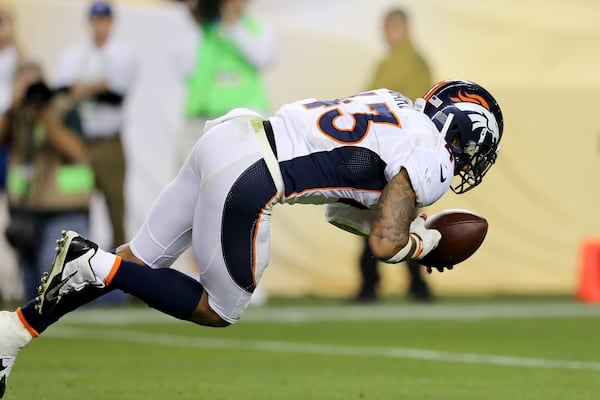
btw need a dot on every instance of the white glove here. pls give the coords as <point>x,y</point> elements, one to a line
<point>349,218</point>
<point>428,239</point>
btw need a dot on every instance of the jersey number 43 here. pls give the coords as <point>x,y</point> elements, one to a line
<point>375,113</point>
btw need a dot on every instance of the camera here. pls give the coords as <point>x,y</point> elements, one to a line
<point>37,95</point>
<point>22,232</point>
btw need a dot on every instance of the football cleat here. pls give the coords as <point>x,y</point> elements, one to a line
<point>13,337</point>
<point>70,271</point>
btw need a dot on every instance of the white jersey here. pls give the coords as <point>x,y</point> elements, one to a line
<point>351,147</point>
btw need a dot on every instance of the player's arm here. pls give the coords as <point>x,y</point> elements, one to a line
<point>393,215</point>
<point>396,235</point>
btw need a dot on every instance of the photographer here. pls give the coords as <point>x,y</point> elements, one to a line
<point>49,179</point>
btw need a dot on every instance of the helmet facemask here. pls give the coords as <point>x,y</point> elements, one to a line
<point>474,151</point>
<point>473,167</point>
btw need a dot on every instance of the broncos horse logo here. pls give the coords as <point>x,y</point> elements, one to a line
<point>480,114</point>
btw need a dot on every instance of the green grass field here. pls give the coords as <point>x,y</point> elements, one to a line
<point>489,349</point>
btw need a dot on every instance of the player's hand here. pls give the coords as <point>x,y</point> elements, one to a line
<point>440,268</point>
<point>429,237</point>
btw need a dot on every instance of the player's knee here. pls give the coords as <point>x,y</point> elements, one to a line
<point>205,315</point>
<point>208,318</point>
<point>124,251</point>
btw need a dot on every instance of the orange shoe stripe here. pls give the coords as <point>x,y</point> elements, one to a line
<point>29,328</point>
<point>113,271</point>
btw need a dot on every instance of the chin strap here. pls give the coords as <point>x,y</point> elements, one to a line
<point>447,124</point>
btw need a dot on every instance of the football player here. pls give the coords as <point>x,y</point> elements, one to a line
<point>372,159</point>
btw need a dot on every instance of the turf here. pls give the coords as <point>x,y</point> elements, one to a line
<point>469,349</point>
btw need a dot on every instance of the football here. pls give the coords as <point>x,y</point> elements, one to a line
<point>462,233</point>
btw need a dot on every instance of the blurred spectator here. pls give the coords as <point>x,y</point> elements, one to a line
<point>404,70</point>
<point>98,74</point>
<point>9,57</point>
<point>49,178</point>
<point>10,286</point>
<point>222,63</point>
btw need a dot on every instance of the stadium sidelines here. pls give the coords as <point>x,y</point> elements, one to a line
<point>155,339</point>
<point>342,312</point>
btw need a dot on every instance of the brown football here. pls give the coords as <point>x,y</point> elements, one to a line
<point>462,233</point>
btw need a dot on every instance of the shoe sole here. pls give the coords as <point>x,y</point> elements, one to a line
<point>42,304</point>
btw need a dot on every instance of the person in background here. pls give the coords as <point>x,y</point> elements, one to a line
<point>10,55</point>
<point>9,58</point>
<point>49,178</point>
<point>404,70</point>
<point>98,74</point>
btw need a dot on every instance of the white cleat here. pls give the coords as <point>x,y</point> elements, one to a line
<point>70,271</point>
<point>13,337</point>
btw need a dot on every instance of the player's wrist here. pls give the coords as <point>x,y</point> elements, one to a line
<point>412,249</point>
<point>427,239</point>
<point>418,246</point>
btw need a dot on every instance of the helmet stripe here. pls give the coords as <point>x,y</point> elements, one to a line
<point>435,89</point>
<point>471,98</point>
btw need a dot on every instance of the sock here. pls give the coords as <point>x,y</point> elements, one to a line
<point>104,264</point>
<point>36,323</point>
<point>164,289</point>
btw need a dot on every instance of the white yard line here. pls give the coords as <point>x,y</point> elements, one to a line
<point>342,312</point>
<point>156,339</point>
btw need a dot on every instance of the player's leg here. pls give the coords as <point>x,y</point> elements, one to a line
<point>165,234</point>
<point>13,337</point>
<point>232,245</point>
